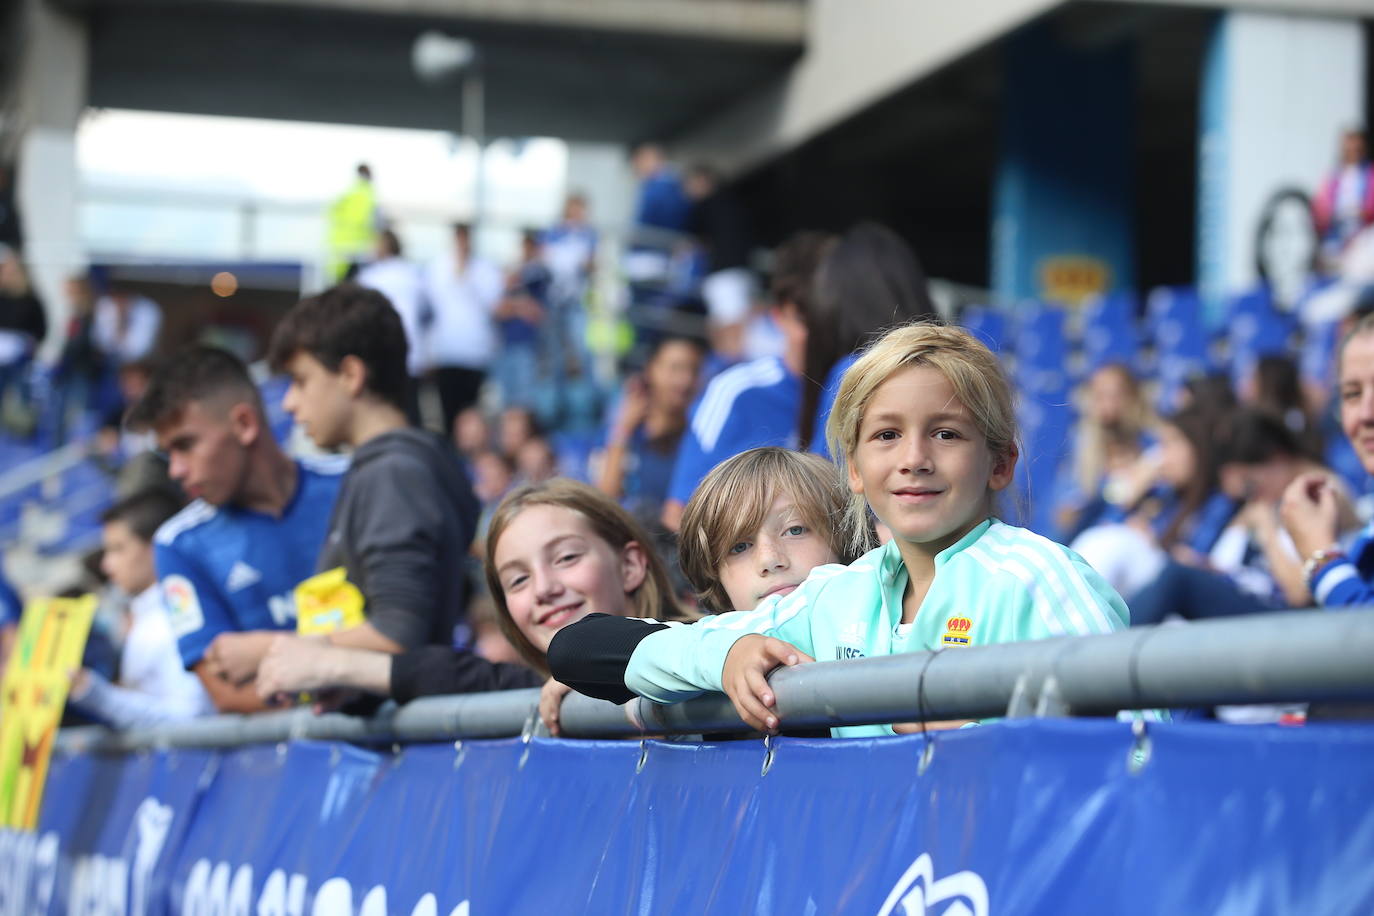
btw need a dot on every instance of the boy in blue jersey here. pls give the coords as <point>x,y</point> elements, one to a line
<point>406,514</point>
<point>228,563</point>
<point>755,403</point>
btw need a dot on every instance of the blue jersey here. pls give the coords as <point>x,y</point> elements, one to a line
<point>662,202</point>
<point>746,406</point>
<point>1348,580</point>
<point>226,569</point>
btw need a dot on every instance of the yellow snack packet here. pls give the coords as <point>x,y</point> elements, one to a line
<point>327,603</point>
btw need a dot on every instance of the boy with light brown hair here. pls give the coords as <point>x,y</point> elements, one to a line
<point>759,523</point>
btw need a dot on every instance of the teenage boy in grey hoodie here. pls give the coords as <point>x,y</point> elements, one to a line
<point>406,515</point>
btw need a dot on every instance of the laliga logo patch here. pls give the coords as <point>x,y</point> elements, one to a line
<point>183,606</point>
<point>918,893</point>
<point>956,631</point>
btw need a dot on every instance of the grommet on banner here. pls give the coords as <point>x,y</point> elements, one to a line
<point>527,731</point>
<point>300,725</point>
<point>1141,747</point>
<point>643,755</point>
<point>767,755</point>
<point>460,754</point>
<point>1050,704</point>
<point>1020,705</point>
<point>927,755</point>
<point>531,724</point>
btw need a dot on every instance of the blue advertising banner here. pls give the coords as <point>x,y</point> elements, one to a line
<point>1015,817</point>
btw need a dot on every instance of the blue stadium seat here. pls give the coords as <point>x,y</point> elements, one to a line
<point>1254,328</point>
<point>1110,332</point>
<point>1046,426</point>
<point>1040,334</point>
<point>1175,327</point>
<point>988,324</point>
<point>1042,352</point>
<point>1166,302</point>
<point>1317,358</point>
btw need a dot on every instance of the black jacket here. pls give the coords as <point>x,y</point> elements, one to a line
<point>402,525</point>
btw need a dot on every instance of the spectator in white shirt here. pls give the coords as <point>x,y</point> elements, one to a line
<point>154,687</point>
<point>464,291</point>
<point>403,284</point>
<point>126,325</point>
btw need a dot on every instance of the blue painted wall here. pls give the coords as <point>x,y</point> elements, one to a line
<point>1062,207</point>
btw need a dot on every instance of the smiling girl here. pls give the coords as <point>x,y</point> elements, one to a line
<point>556,552</point>
<point>924,426</point>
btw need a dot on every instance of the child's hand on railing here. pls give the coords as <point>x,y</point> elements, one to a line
<point>745,677</point>
<point>550,702</point>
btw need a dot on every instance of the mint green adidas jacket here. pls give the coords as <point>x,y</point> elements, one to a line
<point>998,584</point>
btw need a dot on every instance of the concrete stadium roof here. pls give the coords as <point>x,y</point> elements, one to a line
<point>614,70</point>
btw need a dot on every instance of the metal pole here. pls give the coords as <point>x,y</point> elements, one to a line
<point>248,230</point>
<point>1269,658</point>
<point>474,126</point>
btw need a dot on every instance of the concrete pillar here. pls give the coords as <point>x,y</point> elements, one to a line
<point>47,99</point>
<point>602,172</point>
<point>1062,220</point>
<point>1277,91</point>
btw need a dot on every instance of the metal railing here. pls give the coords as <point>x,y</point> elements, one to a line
<point>1285,657</point>
<point>42,468</point>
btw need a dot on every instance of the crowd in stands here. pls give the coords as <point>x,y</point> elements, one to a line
<point>825,471</point>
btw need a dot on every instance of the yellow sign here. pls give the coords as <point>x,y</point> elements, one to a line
<point>327,603</point>
<point>1073,279</point>
<point>52,638</point>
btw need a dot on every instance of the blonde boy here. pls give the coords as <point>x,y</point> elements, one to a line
<point>759,523</point>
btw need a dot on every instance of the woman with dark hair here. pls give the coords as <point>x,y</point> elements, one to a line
<point>636,464</point>
<point>1209,391</point>
<point>1191,509</point>
<point>1261,457</point>
<point>869,281</point>
<point>1179,518</point>
<point>1274,385</point>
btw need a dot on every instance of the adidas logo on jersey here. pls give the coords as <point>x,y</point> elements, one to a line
<point>241,576</point>
<point>852,633</point>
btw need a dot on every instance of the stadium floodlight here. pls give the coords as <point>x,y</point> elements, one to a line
<point>437,58</point>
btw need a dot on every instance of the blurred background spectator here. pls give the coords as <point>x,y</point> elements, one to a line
<point>126,325</point>
<point>23,325</point>
<point>1119,272</point>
